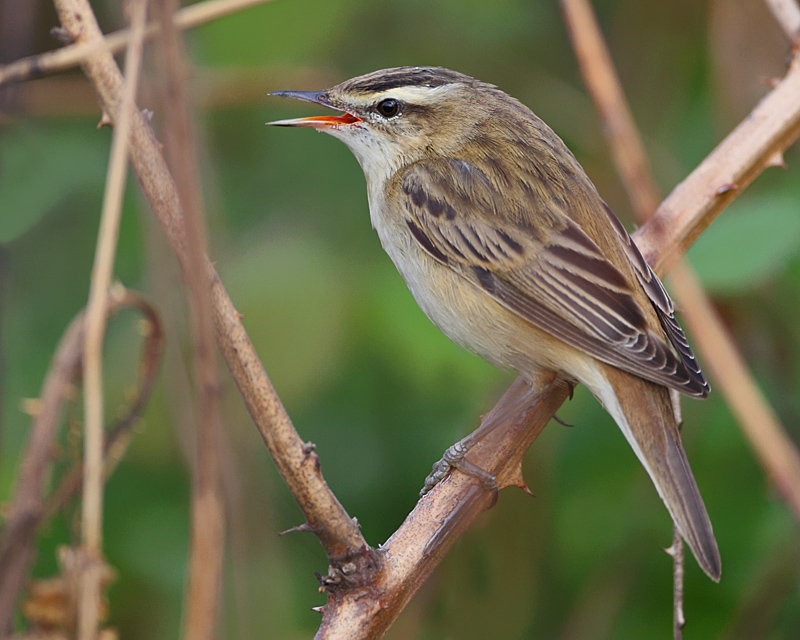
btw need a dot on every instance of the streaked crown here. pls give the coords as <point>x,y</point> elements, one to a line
<point>401,77</point>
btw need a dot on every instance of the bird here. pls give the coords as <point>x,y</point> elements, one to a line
<point>508,248</point>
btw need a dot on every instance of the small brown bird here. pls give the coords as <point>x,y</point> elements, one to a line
<point>508,248</point>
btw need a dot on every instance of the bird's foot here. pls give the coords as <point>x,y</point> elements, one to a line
<point>455,458</point>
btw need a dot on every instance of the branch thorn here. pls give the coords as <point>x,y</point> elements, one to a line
<point>725,188</point>
<point>308,448</point>
<point>62,35</point>
<point>299,527</point>
<point>769,81</point>
<point>105,120</point>
<point>515,479</point>
<point>30,406</point>
<point>776,160</point>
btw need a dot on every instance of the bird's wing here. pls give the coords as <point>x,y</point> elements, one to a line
<point>552,275</point>
<point>663,304</point>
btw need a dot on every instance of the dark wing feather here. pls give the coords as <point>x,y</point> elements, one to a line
<point>664,306</point>
<point>555,277</point>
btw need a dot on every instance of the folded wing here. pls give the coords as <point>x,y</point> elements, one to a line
<point>554,275</point>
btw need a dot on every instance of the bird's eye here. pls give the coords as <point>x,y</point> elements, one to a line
<point>388,108</point>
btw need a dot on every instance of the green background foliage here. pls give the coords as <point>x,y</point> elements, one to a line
<point>363,373</point>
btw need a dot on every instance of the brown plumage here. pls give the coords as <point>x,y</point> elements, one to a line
<point>508,248</point>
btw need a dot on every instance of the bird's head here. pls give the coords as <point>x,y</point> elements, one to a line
<point>394,117</point>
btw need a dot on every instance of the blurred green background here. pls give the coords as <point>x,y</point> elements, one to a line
<point>362,372</point>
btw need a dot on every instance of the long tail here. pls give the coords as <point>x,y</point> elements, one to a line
<point>645,414</point>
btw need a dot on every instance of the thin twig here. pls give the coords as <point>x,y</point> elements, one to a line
<point>26,511</point>
<point>787,13</point>
<point>75,54</point>
<point>92,506</point>
<point>208,509</point>
<point>677,553</point>
<point>119,433</point>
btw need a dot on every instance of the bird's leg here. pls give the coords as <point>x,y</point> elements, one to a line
<point>455,458</point>
<point>514,402</point>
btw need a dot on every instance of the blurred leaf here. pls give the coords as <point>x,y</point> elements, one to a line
<point>39,168</point>
<point>748,243</point>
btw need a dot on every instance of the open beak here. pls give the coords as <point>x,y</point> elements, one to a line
<point>318,122</point>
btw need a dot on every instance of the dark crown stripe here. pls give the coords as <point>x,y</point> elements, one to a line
<point>386,79</point>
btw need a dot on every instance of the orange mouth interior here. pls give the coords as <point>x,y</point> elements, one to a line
<point>345,118</point>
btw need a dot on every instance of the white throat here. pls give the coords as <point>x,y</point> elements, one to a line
<point>379,158</point>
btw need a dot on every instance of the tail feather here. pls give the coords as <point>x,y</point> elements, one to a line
<point>644,412</point>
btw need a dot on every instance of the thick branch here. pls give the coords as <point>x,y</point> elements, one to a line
<point>443,515</point>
